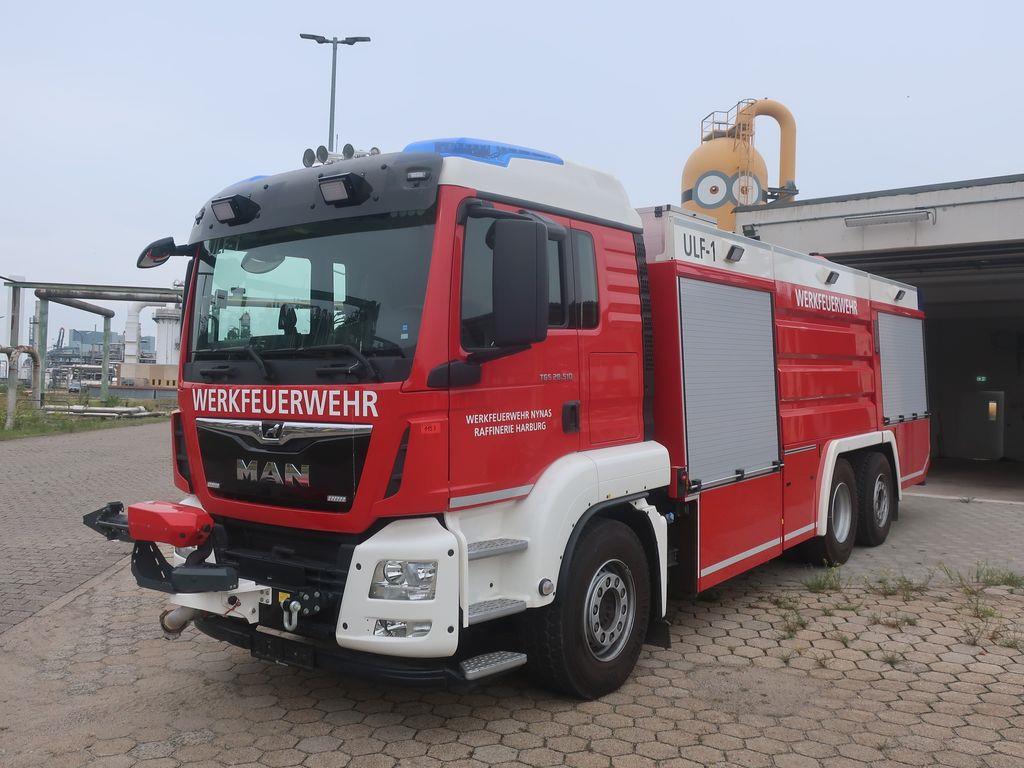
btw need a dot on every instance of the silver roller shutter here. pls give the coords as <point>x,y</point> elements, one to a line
<point>901,349</point>
<point>729,381</point>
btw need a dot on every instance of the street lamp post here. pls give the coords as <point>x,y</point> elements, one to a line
<point>334,42</point>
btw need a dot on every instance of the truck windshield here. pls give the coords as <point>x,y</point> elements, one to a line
<point>350,288</point>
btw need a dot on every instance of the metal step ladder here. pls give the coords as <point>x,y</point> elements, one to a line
<point>488,664</point>
<point>488,610</point>
<point>478,550</point>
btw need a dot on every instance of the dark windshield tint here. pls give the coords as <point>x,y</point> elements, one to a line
<point>357,283</point>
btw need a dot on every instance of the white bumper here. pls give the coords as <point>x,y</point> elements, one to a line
<point>414,539</point>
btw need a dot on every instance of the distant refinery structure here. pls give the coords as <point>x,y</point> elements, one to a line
<point>726,170</point>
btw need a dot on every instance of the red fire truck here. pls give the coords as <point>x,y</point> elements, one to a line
<point>453,410</point>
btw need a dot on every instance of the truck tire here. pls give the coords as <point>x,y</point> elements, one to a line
<point>586,643</point>
<point>878,498</point>
<point>835,546</point>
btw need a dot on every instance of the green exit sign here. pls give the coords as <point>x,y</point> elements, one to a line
<point>981,379</point>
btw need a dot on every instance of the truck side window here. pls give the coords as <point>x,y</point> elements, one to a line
<point>586,279</point>
<point>477,327</point>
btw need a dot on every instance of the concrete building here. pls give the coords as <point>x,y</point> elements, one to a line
<point>962,245</point>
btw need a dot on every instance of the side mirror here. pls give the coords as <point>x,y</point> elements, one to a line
<point>156,253</point>
<point>519,282</point>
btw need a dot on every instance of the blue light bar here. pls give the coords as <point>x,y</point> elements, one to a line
<point>493,152</point>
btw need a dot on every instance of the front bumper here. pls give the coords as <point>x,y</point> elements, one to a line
<point>248,589</point>
<point>318,655</point>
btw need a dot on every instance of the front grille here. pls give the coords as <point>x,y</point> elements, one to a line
<point>307,472</point>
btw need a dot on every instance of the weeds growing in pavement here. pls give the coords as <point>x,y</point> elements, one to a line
<point>976,630</point>
<point>821,659</point>
<point>1010,636</point>
<point>891,658</point>
<point>852,607</point>
<point>906,587</point>
<point>993,576</point>
<point>828,580</point>
<point>785,602</point>
<point>840,637</point>
<point>963,583</point>
<point>827,611</point>
<point>787,656</point>
<point>792,624</point>
<point>979,609</point>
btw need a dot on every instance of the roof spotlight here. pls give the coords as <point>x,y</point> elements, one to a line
<point>900,294</point>
<point>234,210</point>
<point>348,151</point>
<point>374,150</point>
<point>321,153</point>
<point>308,158</point>
<point>345,189</point>
<point>833,278</point>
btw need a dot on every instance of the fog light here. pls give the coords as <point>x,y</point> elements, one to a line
<point>404,580</point>
<point>400,628</point>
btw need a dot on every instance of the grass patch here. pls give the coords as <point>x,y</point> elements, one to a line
<point>785,602</point>
<point>34,424</point>
<point>977,630</point>
<point>792,624</point>
<point>828,580</point>
<point>840,637</point>
<point>891,658</point>
<point>906,587</point>
<point>992,576</point>
<point>1010,636</point>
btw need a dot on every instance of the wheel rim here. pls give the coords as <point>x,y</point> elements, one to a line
<point>608,610</point>
<point>880,501</point>
<point>841,512</point>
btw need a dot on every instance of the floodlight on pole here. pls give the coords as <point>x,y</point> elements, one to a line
<point>334,43</point>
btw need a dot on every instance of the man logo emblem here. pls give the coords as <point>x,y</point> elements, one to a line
<point>271,431</point>
<point>251,471</point>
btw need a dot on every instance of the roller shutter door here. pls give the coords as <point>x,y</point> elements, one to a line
<point>901,349</point>
<point>729,381</point>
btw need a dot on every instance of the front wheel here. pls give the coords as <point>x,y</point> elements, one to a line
<point>587,641</point>
<point>835,546</point>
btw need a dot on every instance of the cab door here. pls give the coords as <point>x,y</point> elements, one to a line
<point>524,412</point>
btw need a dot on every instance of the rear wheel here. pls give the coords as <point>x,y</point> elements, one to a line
<point>587,642</point>
<point>835,546</point>
<point>878,499</point>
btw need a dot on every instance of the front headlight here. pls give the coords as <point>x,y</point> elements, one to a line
<point>404,580</point>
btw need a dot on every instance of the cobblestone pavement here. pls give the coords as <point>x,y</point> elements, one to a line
<point>889,662</point>
<point>46,485</point>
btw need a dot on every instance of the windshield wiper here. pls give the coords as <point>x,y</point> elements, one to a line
<point>360,359</point>
<point>249,350</point>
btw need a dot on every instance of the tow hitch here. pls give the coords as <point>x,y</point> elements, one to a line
<point>153,522</point>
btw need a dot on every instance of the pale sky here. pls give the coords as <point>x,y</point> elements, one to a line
<point>120,119</point>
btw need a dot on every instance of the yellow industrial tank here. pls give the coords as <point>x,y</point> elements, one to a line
<point>726,170</point>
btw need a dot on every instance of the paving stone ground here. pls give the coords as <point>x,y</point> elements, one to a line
<point>46,485</point>
<point>892,662</point>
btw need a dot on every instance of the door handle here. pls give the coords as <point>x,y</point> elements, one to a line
<point>571,416</point>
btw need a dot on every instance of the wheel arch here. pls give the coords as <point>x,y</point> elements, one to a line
<point>651,529</point>
<point>849,448</point>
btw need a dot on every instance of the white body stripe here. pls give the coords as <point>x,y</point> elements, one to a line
<point>459,502</point>
<point>741,556</point>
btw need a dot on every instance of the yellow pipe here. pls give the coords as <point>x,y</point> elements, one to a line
<point>787,134</point>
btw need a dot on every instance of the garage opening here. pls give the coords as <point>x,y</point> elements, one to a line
<point>973,298</point>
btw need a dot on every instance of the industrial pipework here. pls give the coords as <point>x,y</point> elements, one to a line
<point>726,170</point>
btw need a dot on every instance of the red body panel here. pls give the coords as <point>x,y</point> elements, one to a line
<point>739,522</point>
